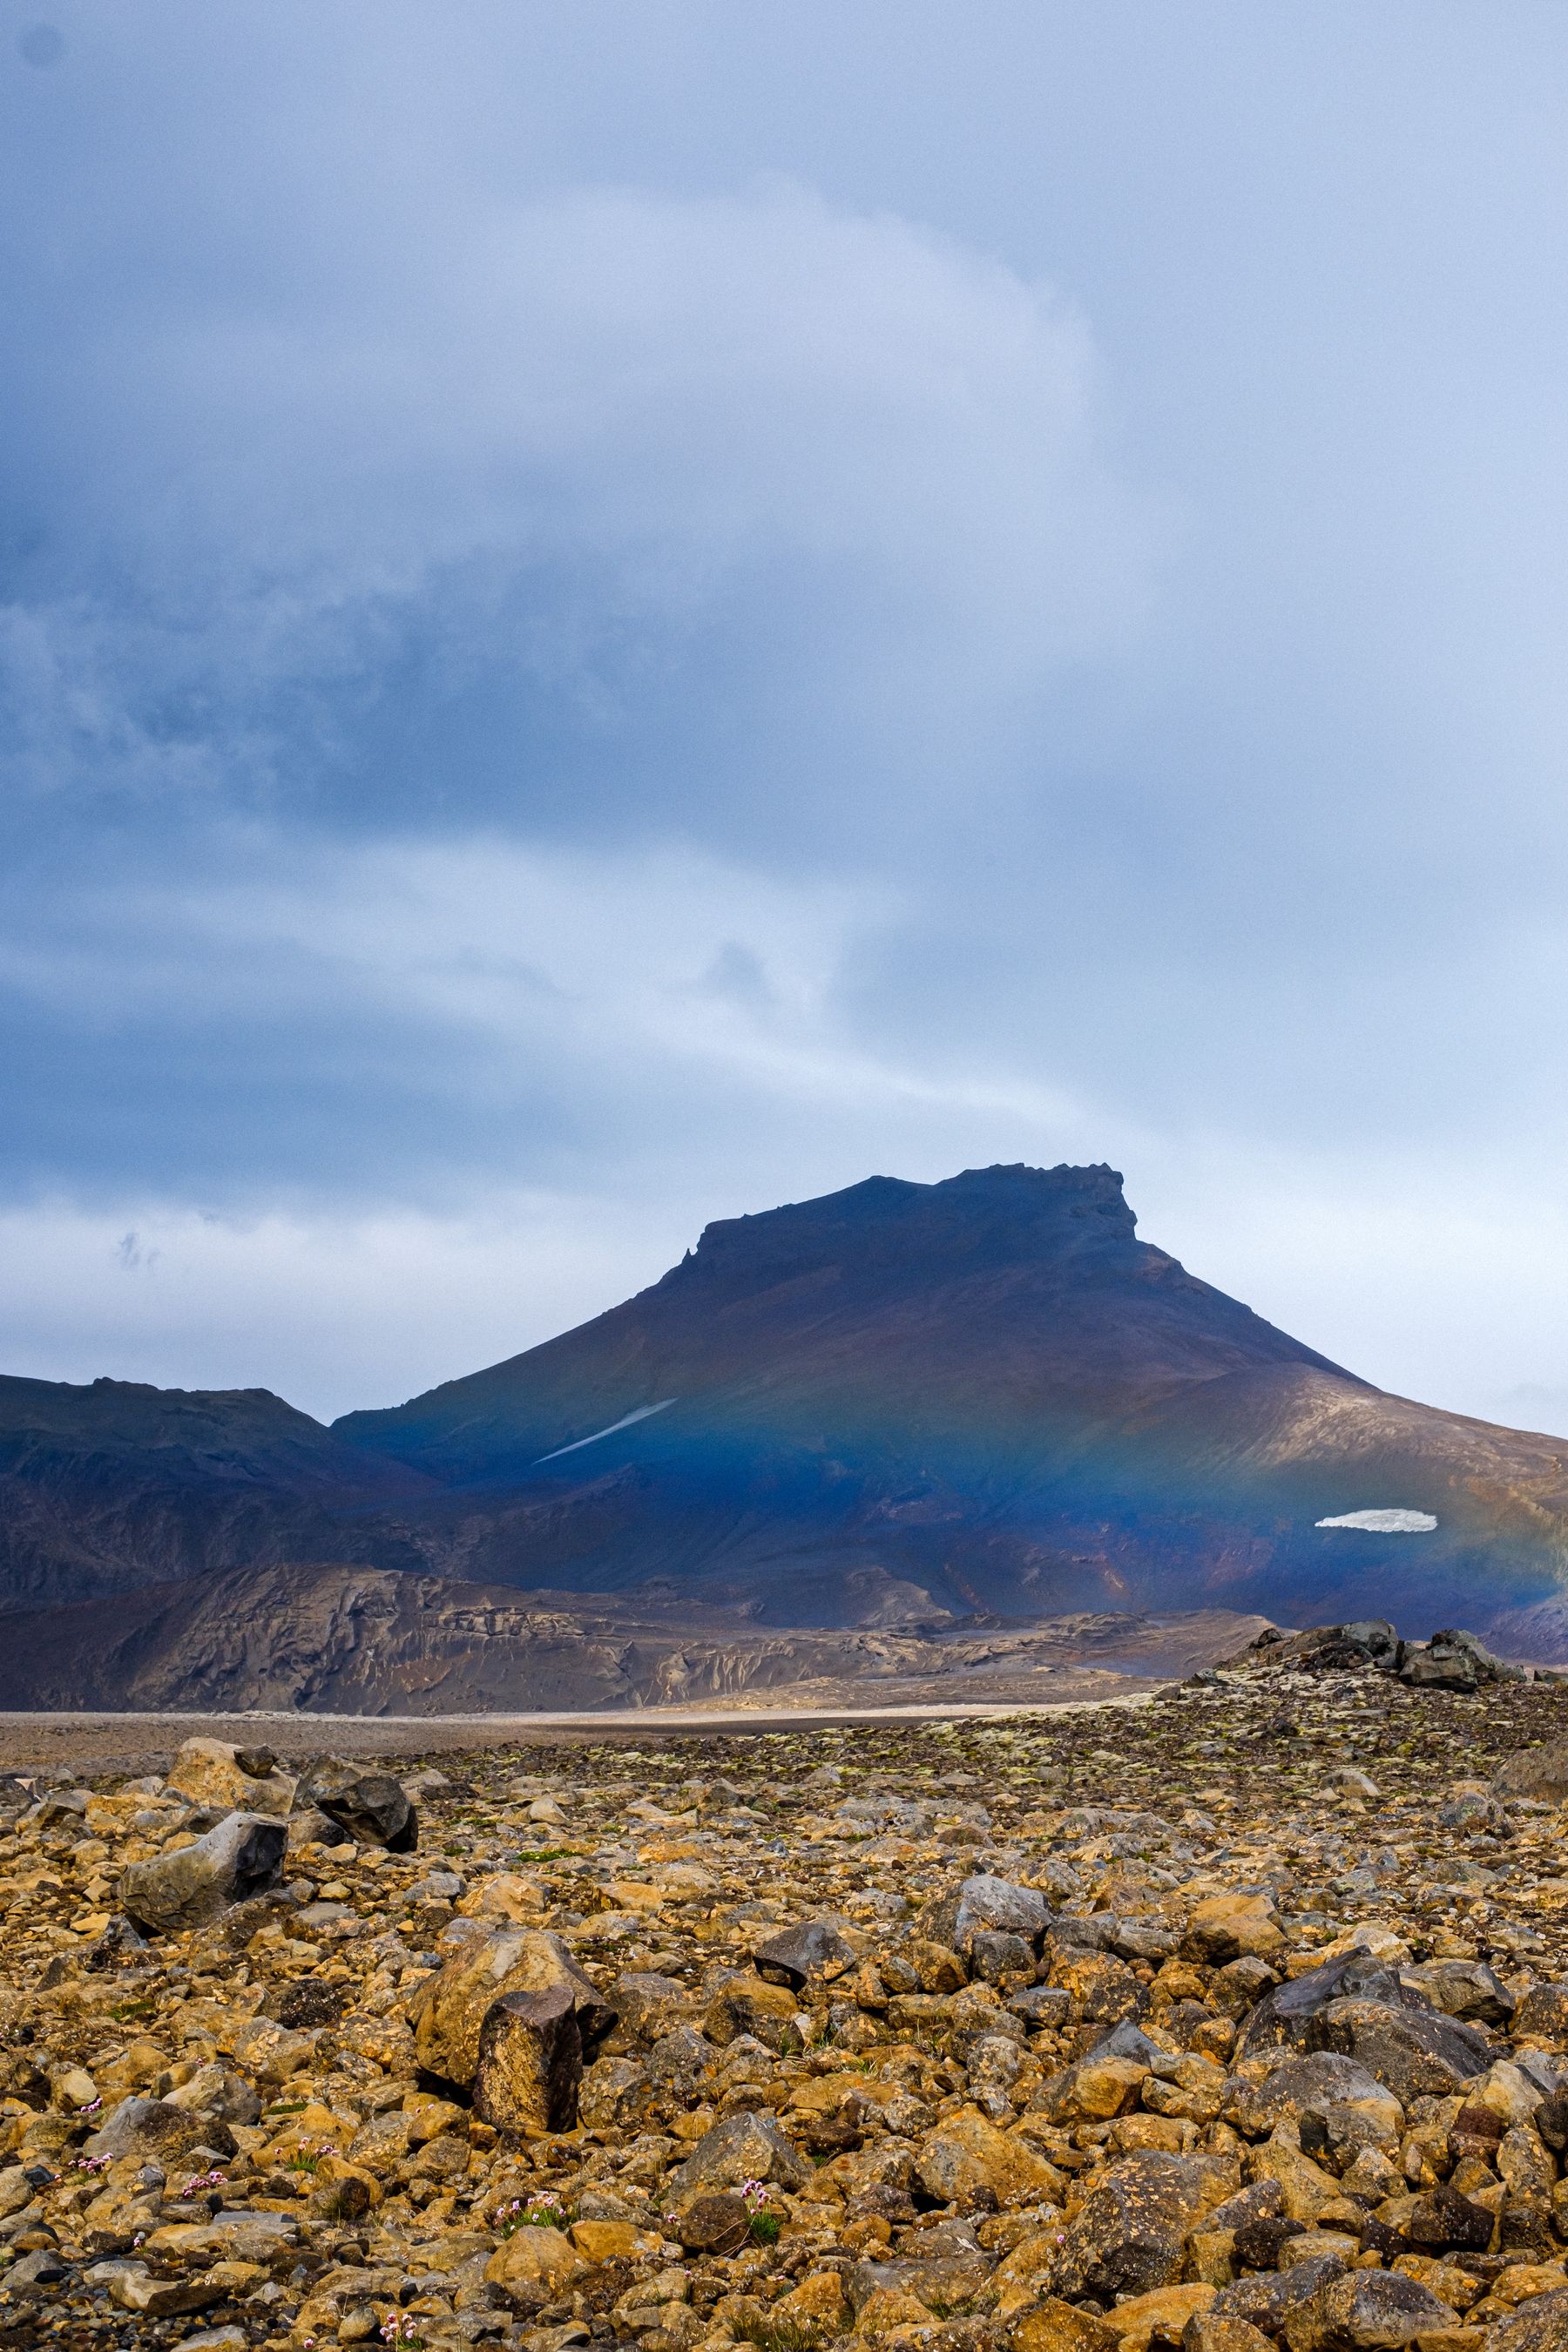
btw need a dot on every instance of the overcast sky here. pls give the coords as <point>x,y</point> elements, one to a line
<point>614,613</point>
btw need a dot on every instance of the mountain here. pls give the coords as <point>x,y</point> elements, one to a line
<point>990,1391</point>
<point>116,1485</point>
<point>904,1406</point>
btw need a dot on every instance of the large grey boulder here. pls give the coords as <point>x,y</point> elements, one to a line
<point>240,1857</point>
<point>1367,2311</point>
<point>984,1903</point>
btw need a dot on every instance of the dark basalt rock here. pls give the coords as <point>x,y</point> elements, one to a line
<point>1416,2053</point>
<point>1287,2018</point>
<point>795,1956</point>
<point>372,1807</point>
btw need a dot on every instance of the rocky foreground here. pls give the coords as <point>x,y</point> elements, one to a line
<point>1234,2020</point>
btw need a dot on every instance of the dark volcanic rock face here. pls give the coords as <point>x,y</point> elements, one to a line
<point>107,1487</point>
<point>902,1405</point>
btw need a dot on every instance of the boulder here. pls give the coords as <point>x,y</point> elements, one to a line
<point>1439,1667</point>
<point>649,2004</point>
<point>157,2129</point>
<point>1055,2325</point>
<point>614,2095</point>
<point>1164,2315</point>
<point>1539,1773</point>
<point>534,2265</point>
<point>1224,1927</point>
<point>369,1807</point>
<point>742,2148</point>
<point>717,2222</point>
<point>1416,2053</point>
<point>530,2061</point>
<point>815,1949</point>
<point>966,2153</point>
<point>1465,1988</point>
<point>984,1902</point>
<point>1539,2325</point>
<point>1367,2311</point>
<point>1444,2220</point>
<point>447,2012</point>
<point>1267,2300</point>
<point>211,1772</point>
<point>1127,2236</point>
<point>1286,2017</point>
<point>1320,2078</point>
<point>750,2004</point>
<point>1542,2016</point>
<point>241,1857</point>
<point>1206,2333</point>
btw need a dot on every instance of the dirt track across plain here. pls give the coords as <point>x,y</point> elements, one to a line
<point>137,1743</point>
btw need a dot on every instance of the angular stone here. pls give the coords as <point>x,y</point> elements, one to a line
<point>1541,2326</point>
<point>1204,2332</point>
<point>649,2004</point>
<point>158,2129</point>
<point>815,1949</point>
<point>1466,1989</point>
<point>209,1772</point>
<point>448,2009</point>
<point>986,1902</point>
<point>812,2312</point>
<point>613,2094</point>
<point>966,2153</point>
<point>241,1857</point>
<point>1317,2078</point>
<point>529,2062</point>
<point>1286,2018</point>
<point>372,1807</point>
<point>1416,2053</point>
<point>156,2298</point>
<point>1367,2311</point>
<point>1268,2301</point>
<point>1056,2325</point>
<point>534,2265</point>
<point>1127,2236</point>
<point>1162,2316</point>
<point>1542,2016</point>
<point>750,2004</point>
<point>747,2146</point>
<point>1224,1927</point>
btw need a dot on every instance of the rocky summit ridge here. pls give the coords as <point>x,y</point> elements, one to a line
<point>905,1406</point>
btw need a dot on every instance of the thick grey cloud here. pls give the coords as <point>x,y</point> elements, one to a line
<point>607,620</point>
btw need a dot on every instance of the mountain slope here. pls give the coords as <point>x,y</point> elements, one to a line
<point>117,1485</point>
<point>988,1386</point>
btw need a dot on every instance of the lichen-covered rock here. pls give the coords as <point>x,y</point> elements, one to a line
<point>448,2011</point>
<point>1128,2235</point>
<point>1367,2311</point>
<point>747,2146</point>
<point>530,2061</point>
<point>210,1772</point>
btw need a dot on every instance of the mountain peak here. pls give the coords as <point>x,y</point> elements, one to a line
<point>1001,1214</point>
